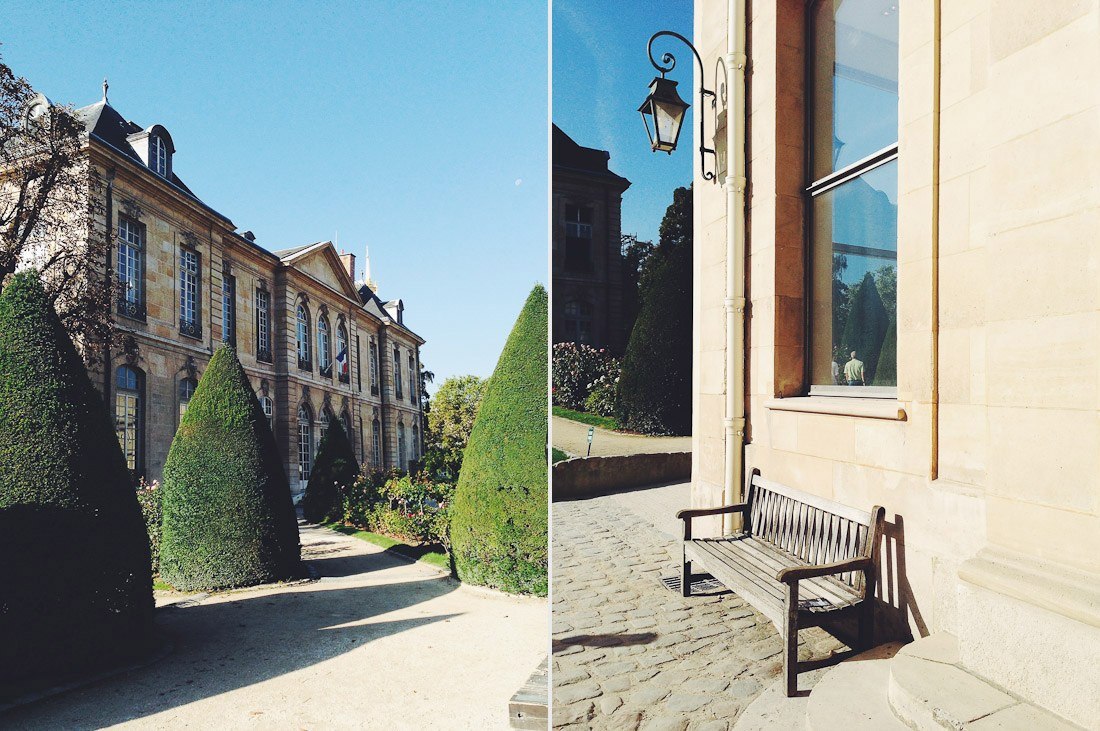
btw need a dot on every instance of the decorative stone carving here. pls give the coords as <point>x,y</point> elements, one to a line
<point>130,208</point>
<point>190,239</point>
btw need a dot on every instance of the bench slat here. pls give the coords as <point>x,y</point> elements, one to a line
<point>769,561</point>
<point>859,516</point>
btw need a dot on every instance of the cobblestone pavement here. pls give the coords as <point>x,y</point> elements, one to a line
<point>628,652</point>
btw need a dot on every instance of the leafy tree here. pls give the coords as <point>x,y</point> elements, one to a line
<point>228,519</point>
<point>653,395</point>
<point>635,254</point>
<point>866,327</point>
<point>886,280</point>
<point>334,471</point>
<point>499,522</point>
<point>77,587</point>
<point>450,421</point>
<point>49,194</point>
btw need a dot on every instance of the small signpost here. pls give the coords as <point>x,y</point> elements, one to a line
<point>591,431</point>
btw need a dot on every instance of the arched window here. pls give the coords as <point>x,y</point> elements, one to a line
<point>342,358</point>
<point>302,333</point>
<point>324,346</point>
<point>186,391</point>
<point>414,445</point>
<point>325,420</point>
<point>853,196</point>
<point>268,407</point>
<point>345,419</point>
<point>577,321</point>
<point>129,402</point>
<point>158,156</point>
<point>376,444</point>
<point>402,455</point>
<point>373,367</point>
<point>305,442</point>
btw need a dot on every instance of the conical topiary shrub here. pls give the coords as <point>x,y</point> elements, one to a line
<point>334,468</point>
<point>76,590</point>
<point>866,328</point>
<point>228,519</point>
<point>498,527</point>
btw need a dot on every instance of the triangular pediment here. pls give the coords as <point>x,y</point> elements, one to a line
<point>322,262</point>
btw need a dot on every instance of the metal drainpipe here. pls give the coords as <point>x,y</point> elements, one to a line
<point>735,183</point>
<point>108,226</point>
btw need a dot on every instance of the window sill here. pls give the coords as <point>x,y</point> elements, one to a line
<point>867,408</point>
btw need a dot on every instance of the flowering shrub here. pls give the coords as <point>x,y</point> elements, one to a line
<point>149,497</point>
<point>576,369</point>
<point>412,509</point>
<point>601,398</point>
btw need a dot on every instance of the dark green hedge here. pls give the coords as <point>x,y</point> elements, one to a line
<point>76,590</point>
<point>498,527</point>
<point>653,395</point>
<point>334,470</point>
<point>228,519</point>
<point>865,330</point>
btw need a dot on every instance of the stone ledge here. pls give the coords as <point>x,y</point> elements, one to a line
<point>866,408</point>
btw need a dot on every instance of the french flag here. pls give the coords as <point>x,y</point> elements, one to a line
<point>342,359</point>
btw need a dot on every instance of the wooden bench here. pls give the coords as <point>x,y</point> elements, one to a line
<point>799,559</point>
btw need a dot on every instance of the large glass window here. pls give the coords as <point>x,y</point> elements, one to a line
<point>376,444</point>
<point>268,407</point>
<point>302,334</point>
<point>397,372</point>
<point>412,379</point>
<point>342,353</point>
<point>189,293</point>
<point>229,309</point>
<point>326,419</point>
<point>187,390</point>
<point>578,238</point>
<point>577,322</point>
<point>324,346</point>
<point>263,325</point>
<point>129,394</point>
<point>402,456</point>
<point>159,158</point>
<point>373,367</point>
<point>305,442</point>
<point>130,268</point>
<point>854,197</point>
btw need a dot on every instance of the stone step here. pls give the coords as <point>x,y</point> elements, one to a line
<point>852,697</point>
<point>929,690</point>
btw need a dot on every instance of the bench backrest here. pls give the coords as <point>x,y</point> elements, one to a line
<point>816,530</point>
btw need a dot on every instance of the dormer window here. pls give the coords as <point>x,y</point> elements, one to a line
<point>158,157</point>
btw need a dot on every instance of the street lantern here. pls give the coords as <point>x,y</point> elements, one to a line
<point>663,114</point>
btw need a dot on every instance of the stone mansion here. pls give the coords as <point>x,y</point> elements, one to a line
<point>316,344</point>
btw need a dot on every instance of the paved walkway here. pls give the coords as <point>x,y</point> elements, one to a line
<point>378,642</point>
<point>572,437</point>
<point>630,653</point>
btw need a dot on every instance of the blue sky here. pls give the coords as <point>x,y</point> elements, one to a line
<point>418,129</point>
<point>601,75</point>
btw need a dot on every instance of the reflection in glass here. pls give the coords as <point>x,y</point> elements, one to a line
<point>855,81</point>
<point>855,243</point>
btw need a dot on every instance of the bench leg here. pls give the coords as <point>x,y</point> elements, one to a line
<point>685,576</point>
<point>790,641</point>
<point>867,624</point>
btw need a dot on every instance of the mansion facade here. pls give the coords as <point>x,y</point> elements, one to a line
<point>316,345</point>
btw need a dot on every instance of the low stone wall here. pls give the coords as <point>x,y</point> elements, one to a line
<point>588,476</point>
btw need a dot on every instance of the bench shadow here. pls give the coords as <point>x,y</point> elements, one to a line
<point>241,640</point>
<point>605,640</point>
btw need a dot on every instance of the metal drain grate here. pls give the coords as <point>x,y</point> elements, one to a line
<point>699,585</point>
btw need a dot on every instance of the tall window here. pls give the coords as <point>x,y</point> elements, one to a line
<point>853,197</point>
<point>397,372</point>
<point>263,325</point>
<point>305,442</point>
<point>303,339</point>
<point>130,268</point>
<point>412,379</point>
<point>345,420</point>
<point>577,322</point>
<point>373,367</point>
<point>129,394</point>
<point>325,421</point>
<point>159,158</point>
<point>268,407</point>
<point>358,370</point>
<point>578,238</point>
<point>414,445</point>
<point>376,444</point>
<point>186,391</point>
<point>324,346</point>
<point>342,354</point>
<point>402,456</point>
<point>189,293</point>
<point>229,309</point>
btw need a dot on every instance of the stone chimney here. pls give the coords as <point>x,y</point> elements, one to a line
<point>349,264</point>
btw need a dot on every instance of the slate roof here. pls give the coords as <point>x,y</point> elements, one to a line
<point>572,156</point>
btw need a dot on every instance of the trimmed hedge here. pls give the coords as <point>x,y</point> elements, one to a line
<point>334,470</point>
<point>77,591</point>
<point>653,395</point>
<point>499,521</point>
<point>228,519</point>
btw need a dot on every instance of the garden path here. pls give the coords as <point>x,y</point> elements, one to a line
<point>376,642</point>
<point>572,437</point>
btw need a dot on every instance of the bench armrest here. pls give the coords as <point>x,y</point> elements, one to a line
<point>792,574</point>
<point>700,512</point>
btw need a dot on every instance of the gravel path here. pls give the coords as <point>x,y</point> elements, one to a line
<point>628,652</point>
<point>378,642</point>
<point>572,437</point>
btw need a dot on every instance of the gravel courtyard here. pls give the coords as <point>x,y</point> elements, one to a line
<point>630,653</point>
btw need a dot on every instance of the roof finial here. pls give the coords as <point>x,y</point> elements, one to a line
<point>104,89</point>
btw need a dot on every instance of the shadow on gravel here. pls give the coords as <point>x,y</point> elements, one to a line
<point>611,640</point>
<point>231,644</point>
